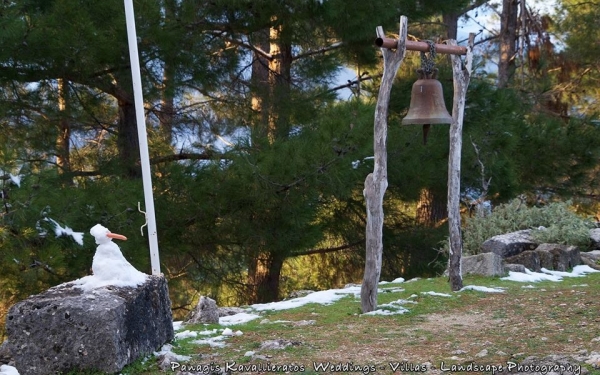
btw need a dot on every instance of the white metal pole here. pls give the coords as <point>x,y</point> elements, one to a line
<point>141,127</point>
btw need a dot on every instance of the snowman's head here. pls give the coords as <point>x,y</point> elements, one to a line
<point>103,235</point>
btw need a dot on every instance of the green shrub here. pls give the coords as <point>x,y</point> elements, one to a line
<point>553,223</point>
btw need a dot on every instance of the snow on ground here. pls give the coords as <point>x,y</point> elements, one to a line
<point>431,293</point>
<point>547,275</point>
<point>324,297</point>
<point>482,289</point>
<point>185,334</point>
<point>239,318</point>
<point>167,349</point>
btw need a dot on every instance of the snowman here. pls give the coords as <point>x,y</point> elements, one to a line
<point>109,266</point>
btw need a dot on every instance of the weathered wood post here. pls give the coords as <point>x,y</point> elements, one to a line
<point>461,77</point>
<point>376,183</point>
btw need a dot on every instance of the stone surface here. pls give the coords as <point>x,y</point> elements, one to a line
<point>595,238</point>
<point>529,259</point>
<point>509,244</point>
<point>206,311</point>
<point>5,354</point>
<point>66,330</point>
<point>558,257</point>
<point>514,267</point>
<point>487,264</point>
<point>591,258</point>
<point>228,311</point>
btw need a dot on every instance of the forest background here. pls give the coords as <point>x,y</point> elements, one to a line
<point>258,164</point>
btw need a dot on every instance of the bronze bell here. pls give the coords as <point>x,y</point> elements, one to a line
<point>427,104</point>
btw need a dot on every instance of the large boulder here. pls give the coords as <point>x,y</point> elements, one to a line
<point>66,329</point>
<point>595,238</point>
<point>591,258</point>
<point>529,259</point>
<point>509,244</point>
<point>486,264</point>
<point>558,257</point>
<point>206,311</point>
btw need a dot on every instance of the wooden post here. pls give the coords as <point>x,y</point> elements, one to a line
<point>376,182</point>
<point>462,75</point>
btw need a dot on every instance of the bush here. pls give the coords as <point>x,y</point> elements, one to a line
<point>552,223</point>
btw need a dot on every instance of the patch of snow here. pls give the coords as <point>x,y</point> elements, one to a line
<point>387,312</point>
<point>207,332</point>
<point>324,297</point>
<point>437,294</point>
<point>214,342</point>
<point>185,334</point>
<point>227,332</point>
<point>528,286</point>
<point>561,273</point>
<point>529,276</point>
<point>583,269</point>
<point>177,325</point>
<point>482,289</point>
<point>167,349</point>
<point>239,318</point>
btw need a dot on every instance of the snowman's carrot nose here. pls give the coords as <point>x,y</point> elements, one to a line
<point>116,236</point>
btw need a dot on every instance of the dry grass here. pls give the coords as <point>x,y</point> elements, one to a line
<point>468,327</point>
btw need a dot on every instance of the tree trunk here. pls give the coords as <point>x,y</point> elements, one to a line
<point>432,208</point>
<point>376,182</point>
<point>263,276</point>
<point>462,76</point>
<point>451,22</point>
<point>260,82</point>
<point>127,142</point>
<point>63,140</point>
<point>166,115</point>
<point>280,67</point>
<point>508,38</point>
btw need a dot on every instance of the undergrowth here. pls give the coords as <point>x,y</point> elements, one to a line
<point>552,223</point>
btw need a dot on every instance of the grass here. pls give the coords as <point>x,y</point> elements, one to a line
<point>467,327</point>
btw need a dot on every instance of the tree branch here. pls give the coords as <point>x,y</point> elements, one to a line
<point>318,51</point>
<point>329,249</point>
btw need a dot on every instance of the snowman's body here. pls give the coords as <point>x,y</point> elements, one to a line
<point>109,266</point>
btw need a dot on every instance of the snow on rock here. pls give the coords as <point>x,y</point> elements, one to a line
<point>8,370</point>
<point>109,265</point>
<point>66,323</point>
